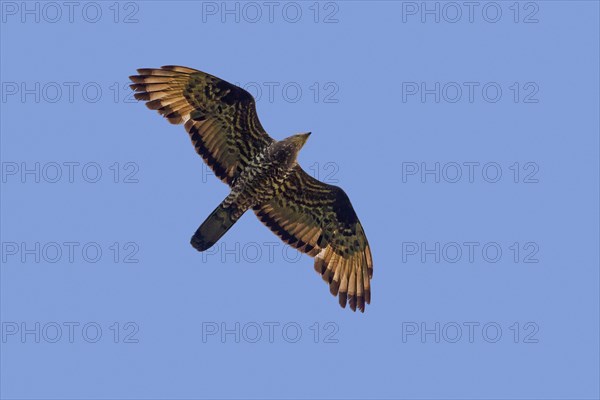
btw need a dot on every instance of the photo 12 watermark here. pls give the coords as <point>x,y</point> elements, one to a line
<point>69,12</point>
<point>270,12</point>
<point>470,332</point>
<point>470,12</point>
<point>36,332</point>
<point>453,172</point>
<point>469,252</point>
<point>470,92</point>
<point>326,92</point>
<point>70,172</point>
<point>251,252</point>
<point>62,92</point>
<point>68,252</point>
<point>270,332</point>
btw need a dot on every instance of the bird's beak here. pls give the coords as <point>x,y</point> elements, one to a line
<point>305,137</point>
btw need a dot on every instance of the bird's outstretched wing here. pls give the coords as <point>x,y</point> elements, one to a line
<point>318,219</point>
<point>220,117</point>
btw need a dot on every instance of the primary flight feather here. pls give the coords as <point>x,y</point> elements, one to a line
<point>314,217</point>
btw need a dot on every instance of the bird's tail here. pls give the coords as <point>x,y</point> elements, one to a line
<point>215,226</point>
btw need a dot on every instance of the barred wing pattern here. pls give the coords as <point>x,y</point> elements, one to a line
<point>220,118</point>
<point>318,219</point>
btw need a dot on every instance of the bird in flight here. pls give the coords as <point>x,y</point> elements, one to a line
<point>263,174</point>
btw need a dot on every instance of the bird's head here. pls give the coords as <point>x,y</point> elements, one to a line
<point>286,151</point>
<point>297,141</point>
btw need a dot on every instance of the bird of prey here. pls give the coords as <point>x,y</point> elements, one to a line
<point>263,174</point>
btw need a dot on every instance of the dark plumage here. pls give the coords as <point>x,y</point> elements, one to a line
<point>314,217</point>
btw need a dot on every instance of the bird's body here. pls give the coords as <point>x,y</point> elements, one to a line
<point>258,183</point>
<point>264,176</point>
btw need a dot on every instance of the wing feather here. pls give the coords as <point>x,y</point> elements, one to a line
<point>319,220</point>
<point>220,118</point>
